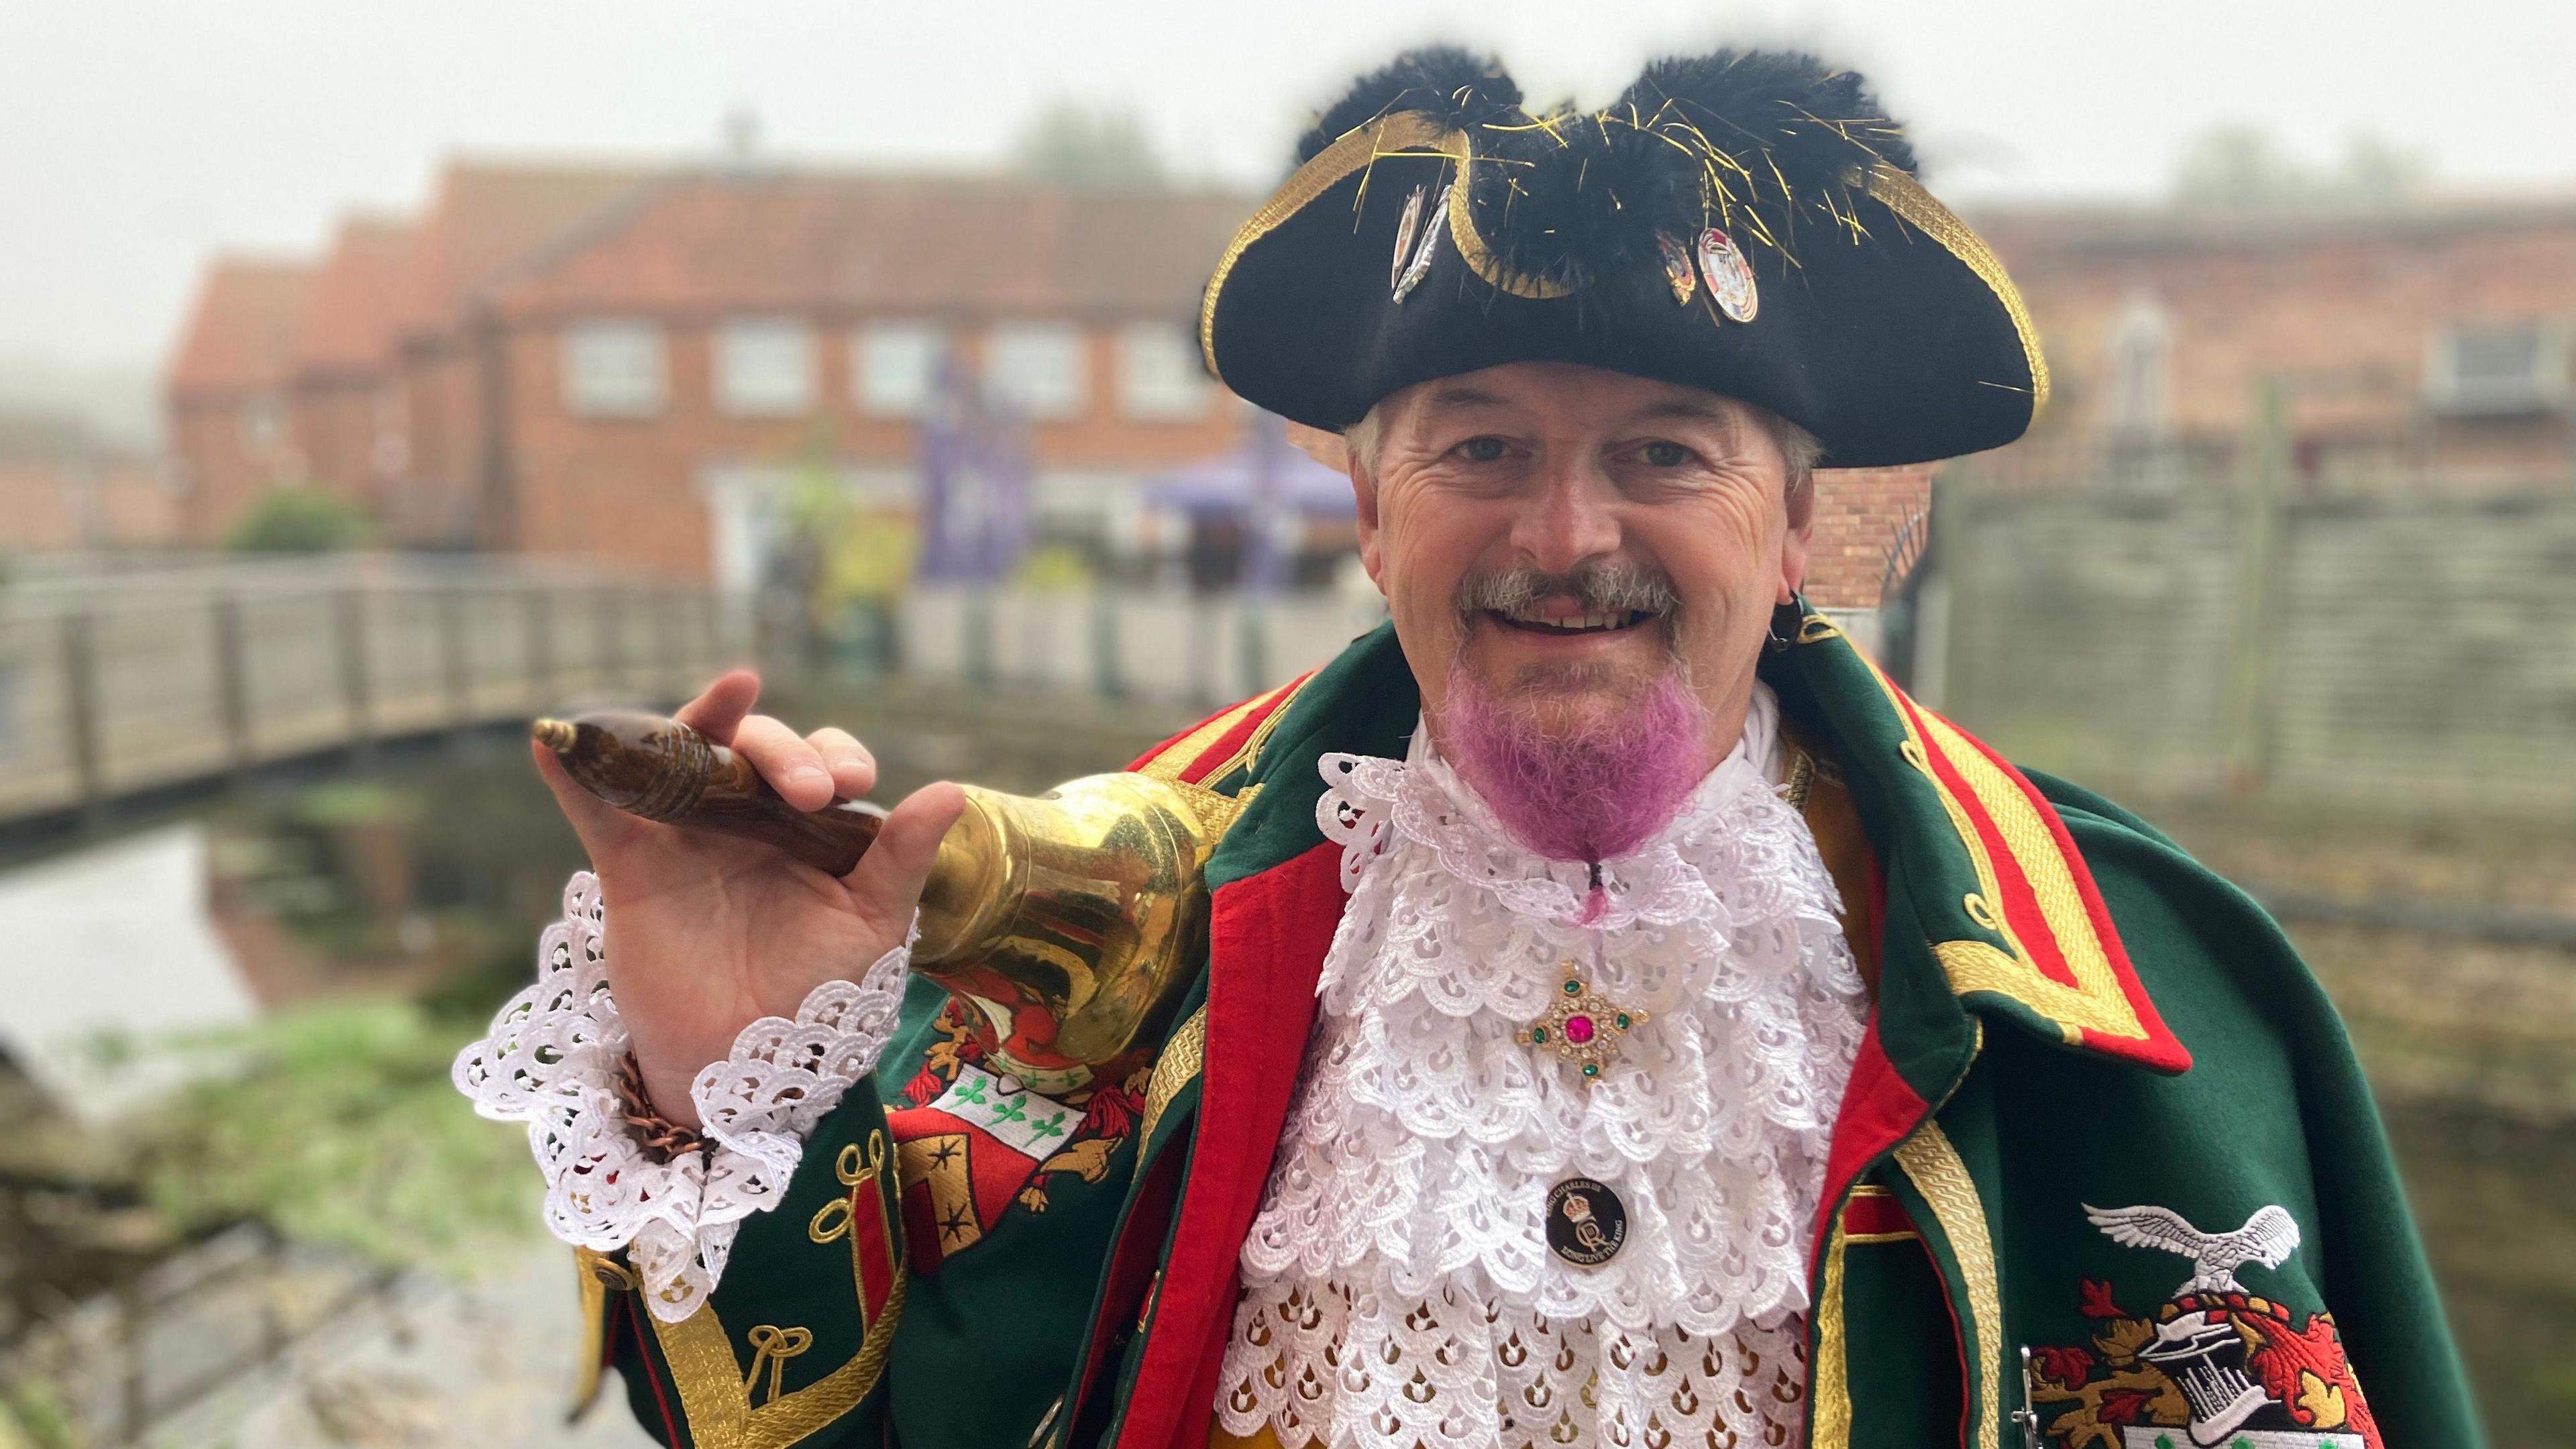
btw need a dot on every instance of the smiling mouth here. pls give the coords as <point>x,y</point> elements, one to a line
<point>1604,623</point>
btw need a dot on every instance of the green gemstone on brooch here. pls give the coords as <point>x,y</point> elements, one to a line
<point>1584,1028</point>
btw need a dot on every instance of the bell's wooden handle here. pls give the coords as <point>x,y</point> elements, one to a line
<point>658,768</point>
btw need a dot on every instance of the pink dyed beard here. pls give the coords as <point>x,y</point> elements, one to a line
<point>1592,795</point>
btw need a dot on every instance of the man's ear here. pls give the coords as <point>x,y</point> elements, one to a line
<point>1372,541</point>
<point>1798,541</point>
<point>1322,445</point>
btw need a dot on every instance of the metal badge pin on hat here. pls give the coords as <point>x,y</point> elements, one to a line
<point>1730,276</point>
<point>1679,274</point>
<point>1421,266</point>
<point>1404,237</point>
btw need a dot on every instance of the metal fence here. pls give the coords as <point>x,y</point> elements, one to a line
<point>114,683</point>
<point>1203,649</point>
<point>1152,644</point>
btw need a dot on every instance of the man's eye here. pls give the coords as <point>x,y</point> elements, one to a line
<point>1666,455</point>
<point>1483,450</point>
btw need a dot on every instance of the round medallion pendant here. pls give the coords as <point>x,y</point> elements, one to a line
<point>1586,1222</point>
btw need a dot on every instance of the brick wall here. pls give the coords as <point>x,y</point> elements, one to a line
<point>227,460</point>
<point>1858,514</point>
<point>2343,311</point>
<point>334,419</point>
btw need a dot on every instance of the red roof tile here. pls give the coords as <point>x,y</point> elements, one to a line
<point>241,334</point>
<point>356,298</point>
<point>701,242</point>
<point>489,215</point>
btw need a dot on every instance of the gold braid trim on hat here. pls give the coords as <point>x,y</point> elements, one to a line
<point>1403,133</point>
<point>1415,133</point>
<point>1899,192</point>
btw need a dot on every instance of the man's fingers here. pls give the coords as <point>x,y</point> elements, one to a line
<point>792,767</point>
<point>720,709</point>
<point>600,825</point>
<point>888,880</point>
<point>854,770</point>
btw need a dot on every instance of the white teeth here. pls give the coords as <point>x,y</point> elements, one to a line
<point>1573,624</point>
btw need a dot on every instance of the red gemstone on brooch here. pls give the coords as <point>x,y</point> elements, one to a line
<point>1582,1026</point>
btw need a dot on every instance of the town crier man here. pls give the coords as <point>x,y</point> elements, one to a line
<point>1624,1017</point>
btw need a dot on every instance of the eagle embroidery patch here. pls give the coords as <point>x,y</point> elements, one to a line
<point>2211,1367</point>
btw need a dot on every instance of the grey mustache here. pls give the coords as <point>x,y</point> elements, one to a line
<point>1596,589</point>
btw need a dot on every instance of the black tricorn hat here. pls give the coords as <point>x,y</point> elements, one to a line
<point>1746,222</point>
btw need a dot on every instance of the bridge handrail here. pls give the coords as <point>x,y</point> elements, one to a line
<point>115,683</point>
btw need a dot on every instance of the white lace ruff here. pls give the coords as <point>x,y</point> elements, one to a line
<point>1399,1291</point>
<point>552,1061</point>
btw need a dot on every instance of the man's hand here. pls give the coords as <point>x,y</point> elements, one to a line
<point>708,932</point>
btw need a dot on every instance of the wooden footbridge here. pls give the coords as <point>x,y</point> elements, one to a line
<point>120,681</point>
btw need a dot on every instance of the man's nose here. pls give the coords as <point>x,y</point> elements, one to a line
<point>1570,519</point>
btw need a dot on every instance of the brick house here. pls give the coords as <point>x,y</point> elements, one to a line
<point>673,369</point>
<point>2424,347</point>
<point>484,219</point>
<point>227,393</point>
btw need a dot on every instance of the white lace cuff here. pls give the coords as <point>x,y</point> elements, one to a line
<point>552,1062</point>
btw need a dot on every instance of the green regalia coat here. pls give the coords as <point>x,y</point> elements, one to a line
<point>2103,1115</point>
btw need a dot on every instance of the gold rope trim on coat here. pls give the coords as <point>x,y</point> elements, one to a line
<point>1183,1058</point>
<point>714,1395</point>
<point>596,1271</point>
<point>1170,761</point>
<point>1938,1173</point>
<point>1277,702</point>
<point>700,1353</point>
<point>1828,1383</point>
<point>2096,1002</point>
<point>1902,194</point>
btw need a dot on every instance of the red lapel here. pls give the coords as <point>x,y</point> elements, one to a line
<point>1267,935</point>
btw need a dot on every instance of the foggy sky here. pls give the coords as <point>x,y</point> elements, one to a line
<point>136,136</point>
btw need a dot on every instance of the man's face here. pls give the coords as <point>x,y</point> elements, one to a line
<point>1556,472</point>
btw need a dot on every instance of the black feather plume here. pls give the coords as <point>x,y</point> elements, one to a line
<point>1761,143</point>
<point>1461,88</point>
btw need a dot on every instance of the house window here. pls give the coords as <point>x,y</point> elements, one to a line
<point>611,369</point>
<point>895,366</point>
<point>1037,368</point>
<point>1159,378</point>
<point>2499,371</point>
<point>764,368</point>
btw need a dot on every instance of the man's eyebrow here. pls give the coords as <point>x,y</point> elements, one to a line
<point>1462,395</point>
<point>1710,410</point>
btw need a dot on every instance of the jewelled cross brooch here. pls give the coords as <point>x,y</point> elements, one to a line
<point>1584,1027</point>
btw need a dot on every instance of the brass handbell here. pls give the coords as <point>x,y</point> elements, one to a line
<point>1064,921</point>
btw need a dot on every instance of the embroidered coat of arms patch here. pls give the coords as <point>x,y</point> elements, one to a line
<point>2212,1365</point>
